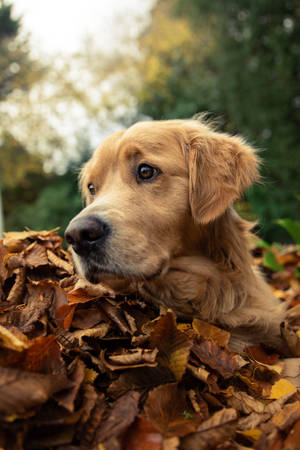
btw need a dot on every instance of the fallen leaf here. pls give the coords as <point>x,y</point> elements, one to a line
<point>280,388</point>
<point>173,345</point>
<point>59,262</point>
<point>287,416</point>
<point>142,435</point>
<point>17,289</point>
<point>21,391</point>
<point>253,434</point>
<point>64,316</point>
<point>293,439</point>
<point>213,431</point>
<point>142,378</point>
<point>257,353</point>
<point>97,332</point>
<point>67,398</point>
<point>35,255</point>
<point>13,338</point>
<point>119,418</point>
<point>208,331</point>
<point>167,410</point>
<point>245,403</point>
<point>217,358</point>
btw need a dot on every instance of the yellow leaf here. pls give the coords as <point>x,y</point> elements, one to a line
<point>280,388</point>
<point>252,434</point>
<point>184,326</point>
<point>12,341</point>
<point>90,375</point>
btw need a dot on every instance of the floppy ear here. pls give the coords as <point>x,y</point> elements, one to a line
<point>221,167</point>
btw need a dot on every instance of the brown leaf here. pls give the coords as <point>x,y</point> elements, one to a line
<point>287,416</point>
<point>93,409</point>
<point>3,258</point>
<point>16,241</point>
<point>97,332</point>
<point>43,355</point>
<point>120,417</point>
<point>39,300</point>
<point>67,398</point>
<point>167,410</point>
<point>139,379</point>
<point>252,421</point>
<point>35,255</point>
<point>245,403</point>
<point>87,318</point>
<point>134,356</point>
<point>142,435</point>
<point>216,357</point>
<point>173,345</point>
<point>17,290</point>
<point>64,316</point>
<point>115,314</point>
<point>21,391</point>
<point>216,430</point>
<point>208,331</point>
<point>293,439</point>
<point>83,291</point>
<point>59,262</point>
<point>257,353</point>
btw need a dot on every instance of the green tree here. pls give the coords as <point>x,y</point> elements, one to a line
<point>250,77</point>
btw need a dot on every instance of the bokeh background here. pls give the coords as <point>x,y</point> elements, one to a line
<point>72,72</point>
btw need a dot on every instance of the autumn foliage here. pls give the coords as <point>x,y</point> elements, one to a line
<point>83,368</point>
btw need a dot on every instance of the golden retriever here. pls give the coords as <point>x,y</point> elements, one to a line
<point>159,219</point>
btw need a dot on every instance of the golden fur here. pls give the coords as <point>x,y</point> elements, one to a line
<point>177,239</point>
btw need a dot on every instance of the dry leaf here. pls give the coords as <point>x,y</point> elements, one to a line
<point>35,255</point>
<point>142,435</point>
<point>173,345</point>
<point>167,410</point>
<point>287,416</point>
<point>208,331</point>
<point>281,388</point>
<point>21,391</point>
<point>17,290</point>
<point>120,417</point>
<point>13,338</point>
<point>216,357</point>
<point>59,262</point>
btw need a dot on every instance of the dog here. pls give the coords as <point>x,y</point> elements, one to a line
<point>159,220</point>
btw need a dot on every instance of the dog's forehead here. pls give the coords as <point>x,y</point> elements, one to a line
<point>147,139</point>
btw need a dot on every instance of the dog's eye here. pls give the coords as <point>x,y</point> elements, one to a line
<point>146,172</point>
<point>92,189</point>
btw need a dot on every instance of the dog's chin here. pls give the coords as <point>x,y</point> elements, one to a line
<point>98,274</point>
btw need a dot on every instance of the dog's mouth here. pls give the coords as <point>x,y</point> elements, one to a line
<point>96,273</point>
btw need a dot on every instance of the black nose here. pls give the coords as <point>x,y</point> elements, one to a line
<point>84,232</point>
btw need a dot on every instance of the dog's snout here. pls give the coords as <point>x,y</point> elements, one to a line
<point>84,232</point>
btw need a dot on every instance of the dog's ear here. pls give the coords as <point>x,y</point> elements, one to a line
<point>221,167</point>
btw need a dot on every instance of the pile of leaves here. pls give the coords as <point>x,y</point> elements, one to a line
<point>83,368</point>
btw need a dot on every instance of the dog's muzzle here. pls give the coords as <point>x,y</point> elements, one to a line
<point>87,234</point>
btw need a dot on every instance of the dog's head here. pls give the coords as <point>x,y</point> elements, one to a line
<point>148,189</point>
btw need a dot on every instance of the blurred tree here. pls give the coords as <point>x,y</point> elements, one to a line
<point>175,58</point>
<point>52,200</point>
<point>17,72</point>
<point>250,75</point>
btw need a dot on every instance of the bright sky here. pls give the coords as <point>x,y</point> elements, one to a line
<point>61,25</point>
